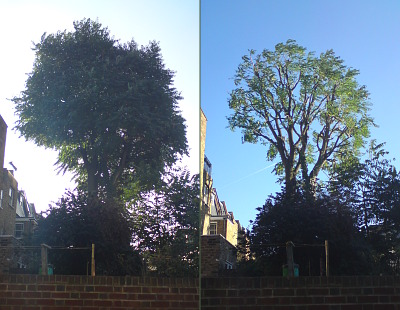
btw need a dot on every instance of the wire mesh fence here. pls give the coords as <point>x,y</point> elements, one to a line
<point>18,258</point>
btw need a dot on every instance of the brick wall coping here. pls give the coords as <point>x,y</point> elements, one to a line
<point>216,236</point>
<point>100,280</point>
<point>273,282</point>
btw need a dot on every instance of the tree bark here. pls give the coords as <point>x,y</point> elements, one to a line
<point>92,186</point>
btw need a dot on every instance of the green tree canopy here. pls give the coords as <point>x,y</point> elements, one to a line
<point>357,212</point>
<point>307,110</point>
<point>166,225</point>
<point>110,109</point>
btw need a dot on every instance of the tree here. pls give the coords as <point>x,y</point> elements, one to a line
<point>72,224</point>
<point>157,232</point>
<point>109,109</point>
<point>306,109</point>
<point>372,189</point>
<point>293,218</point>
<point>166,222</point>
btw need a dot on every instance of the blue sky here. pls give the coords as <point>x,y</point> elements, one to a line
<point>365,34</point>
<point>173,23</point>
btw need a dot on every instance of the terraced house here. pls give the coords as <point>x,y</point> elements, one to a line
<point>8,189</point>
<point>220,230</point>
<point>17,216</point>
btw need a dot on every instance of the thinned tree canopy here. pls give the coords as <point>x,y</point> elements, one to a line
<point>110,109</point>
<point>307,110</point>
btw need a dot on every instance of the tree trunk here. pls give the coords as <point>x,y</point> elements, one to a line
<point>290,182</point>
<point>92,186</point>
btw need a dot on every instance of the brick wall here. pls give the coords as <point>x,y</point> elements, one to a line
<point>221,227</point>
<point>203,129</point>
<point>7,208</point>
<point>304,293</point>
<point>3,135</point>
<point>215,251</point>
<point>232,229</point>
<point>31,292</point>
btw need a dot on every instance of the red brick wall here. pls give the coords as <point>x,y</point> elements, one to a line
<point>31,292</point>
<point>304,293</point>
<point>215,250</point>
<point>7,211</point>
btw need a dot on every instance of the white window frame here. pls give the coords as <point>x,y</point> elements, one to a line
<point>11,196</point>
<point>19,230</point>
<point>212,231</point>
<point>205,193</point>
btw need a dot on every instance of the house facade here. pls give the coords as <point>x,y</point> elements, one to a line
<point>8,189</point>
<point>204,176</point>
<point>17,216</point>
<point>220,230</point>
<point>26,218</point>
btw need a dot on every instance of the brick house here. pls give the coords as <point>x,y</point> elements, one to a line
<point>220,230</point>
<point>204,177</point>
<point>17,216</point>
<point>3,135</point>
<point>26,218</point>
<point>8,189</point>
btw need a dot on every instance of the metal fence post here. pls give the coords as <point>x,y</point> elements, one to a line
<point>327,257</point>
<point>44,248</point>
<point>289,254</point>
<point>93,262</point>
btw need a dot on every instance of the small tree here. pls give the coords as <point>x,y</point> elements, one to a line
<point>295,219</point>
<point>166,225</point>
<point>307,110</point>
<point>72,223</point>
<point>372,189</point>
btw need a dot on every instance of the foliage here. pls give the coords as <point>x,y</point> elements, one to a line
<point>358,213</point>
<point>109,108</point>
<point>156,233</point>
<point>247,264</point>
<point>372,189</point>
<point>307,110</point>
<point>243,246</point>
<point>308,224</point>
<point>166,222</point>
<point>74,224</point>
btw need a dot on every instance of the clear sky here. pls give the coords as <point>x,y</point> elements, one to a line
<point>364,33</point>
<point>173,23</point>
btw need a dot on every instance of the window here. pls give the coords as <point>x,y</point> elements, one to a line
<point>205,194</point>
<point>1,198</point>
<point>19,230</point>
<point>228,265</point>
<point>207,166</point>
<point>213,228</point>
<point>11,196</point>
